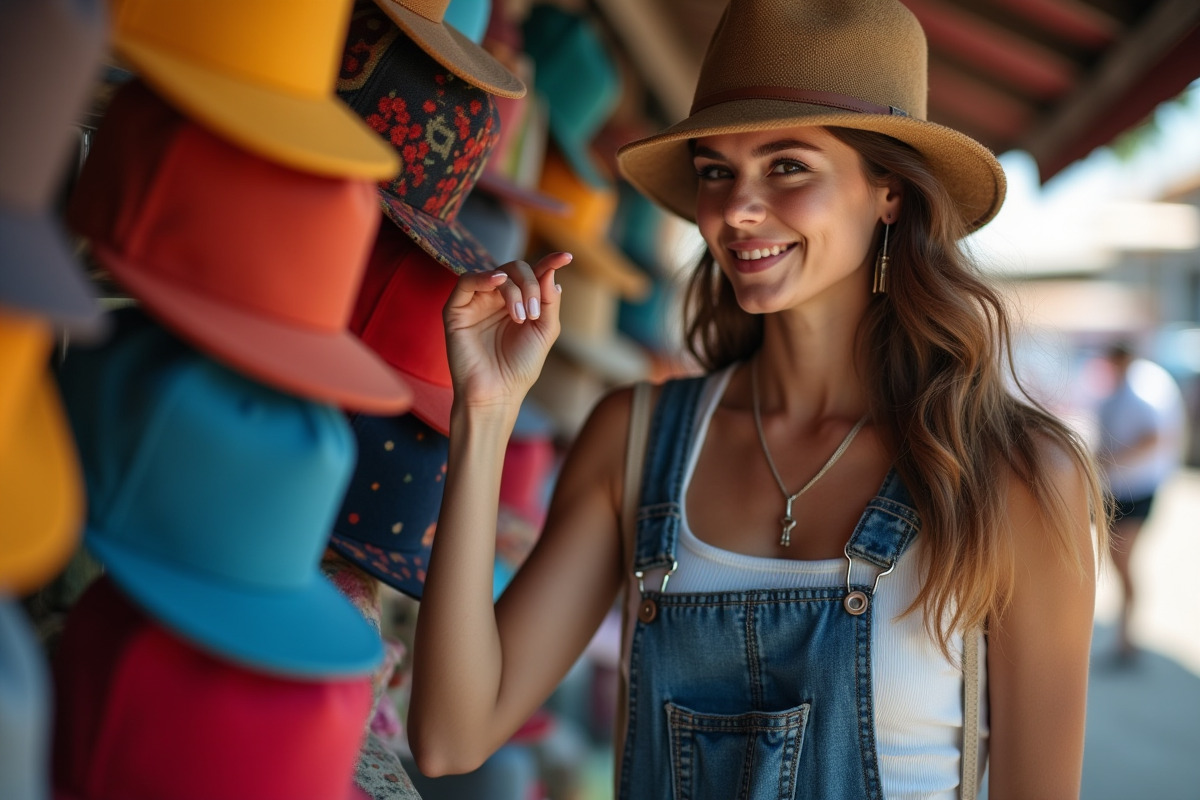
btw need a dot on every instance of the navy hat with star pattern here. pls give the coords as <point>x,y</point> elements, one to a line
<point>388,519</point>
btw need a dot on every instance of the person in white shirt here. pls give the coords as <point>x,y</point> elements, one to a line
<point>1141,431</point>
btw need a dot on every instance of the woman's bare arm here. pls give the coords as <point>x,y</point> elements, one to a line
<point>1038,652</point>
<point>479,671</point>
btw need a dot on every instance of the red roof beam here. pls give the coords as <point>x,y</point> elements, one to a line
<point>1003,55</point>
<point>1074,21</point>
<point>1000,115</point>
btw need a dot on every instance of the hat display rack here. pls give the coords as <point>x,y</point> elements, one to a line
<point>227,240</point>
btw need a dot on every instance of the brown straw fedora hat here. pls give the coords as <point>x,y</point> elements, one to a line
<point>424,22</point>
<point>847,63</point>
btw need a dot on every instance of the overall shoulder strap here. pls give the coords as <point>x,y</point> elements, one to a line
<point>635,458</point>
<point>970,749</point>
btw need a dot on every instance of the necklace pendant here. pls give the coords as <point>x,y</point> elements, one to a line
<point>789,523</point>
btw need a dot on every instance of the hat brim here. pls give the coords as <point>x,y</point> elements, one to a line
<point>504,188</point>
<point>318,135</point>
<point>430,402</point>
<point>39,274</point>
<point>307,632</point>
<point>41,494</point>
<point>661,165</point>
<point>329,366</point>
<point>402,568</point>
<point>596,257</point>
<point>451,244</point>
<point>579,156</point>
<point>455,52</point>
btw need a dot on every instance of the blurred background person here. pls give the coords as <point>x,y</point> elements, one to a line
<point>1141,435</point>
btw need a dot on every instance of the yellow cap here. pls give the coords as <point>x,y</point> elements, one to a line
<point>259,73</point>
<point>41,496</point>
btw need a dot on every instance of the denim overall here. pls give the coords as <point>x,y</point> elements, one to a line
<point>750,694</point>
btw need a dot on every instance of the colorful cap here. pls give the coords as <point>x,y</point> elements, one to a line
<point>41,490</point>
<point>579,79</point>
<point>50,53</point>
<point>443,128</point>
<point>210,498</point>
<point>389,517</point>
<point>399,316</point>
<point>254,263</point>
<point>143,715</point>
<point>260,74</point>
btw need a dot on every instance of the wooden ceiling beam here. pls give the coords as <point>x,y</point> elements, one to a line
<point>1124,65</point>
<point>993,50</point>
<point>1071,20</point>
<point>1002,116</point>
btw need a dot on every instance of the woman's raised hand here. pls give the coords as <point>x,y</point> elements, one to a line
<point>499,327</point>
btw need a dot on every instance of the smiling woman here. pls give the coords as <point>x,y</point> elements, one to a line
<point>847,505</point>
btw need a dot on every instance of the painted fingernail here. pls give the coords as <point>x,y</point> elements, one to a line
<point>558,288</point>
<point>569,256</point>
<point>535,308</point>
<point>520,308</point>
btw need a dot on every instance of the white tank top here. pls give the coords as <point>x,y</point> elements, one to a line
<point>917,692</point>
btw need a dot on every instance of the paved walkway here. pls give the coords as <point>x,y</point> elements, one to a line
<point>1143,733</point>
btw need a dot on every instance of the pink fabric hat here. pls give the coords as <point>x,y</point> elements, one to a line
<point>141,715</point>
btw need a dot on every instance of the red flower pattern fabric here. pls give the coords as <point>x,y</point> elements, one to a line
<point>442,127</point>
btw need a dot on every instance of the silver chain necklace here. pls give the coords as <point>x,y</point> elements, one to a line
<point>787,520</point>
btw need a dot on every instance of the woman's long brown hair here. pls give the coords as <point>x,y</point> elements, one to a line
<point>943,392</point>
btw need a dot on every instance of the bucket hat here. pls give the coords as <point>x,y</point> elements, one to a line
<point>210,497</point>
<point>512,170</point>
<point>399,316</point>
<point>41,96</point>
<point>261,74</point>
<point>41,491</point>
<point>585,228</point>
<point>424,21</point>
<point>468,17</point>
<point>579,80</point>
<point>143,715</point>
<point>443,128</point>
<point>388,519</point>
<point>851,63</point>
<point>255,263</point>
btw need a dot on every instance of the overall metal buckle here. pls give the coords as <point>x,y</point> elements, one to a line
<point>648,610</point>
<point>857,601</point>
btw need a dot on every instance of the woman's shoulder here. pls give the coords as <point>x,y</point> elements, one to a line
<point>1053,499</point>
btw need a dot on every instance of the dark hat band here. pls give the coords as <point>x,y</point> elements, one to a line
<point>830,99</point>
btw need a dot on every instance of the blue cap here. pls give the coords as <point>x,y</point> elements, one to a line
<point>210,498</point>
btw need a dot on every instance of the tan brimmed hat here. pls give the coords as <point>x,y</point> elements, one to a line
<point>424,22</point>
<point>846,63</point>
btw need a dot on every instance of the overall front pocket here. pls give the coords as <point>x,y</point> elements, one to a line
<point>751,756</point>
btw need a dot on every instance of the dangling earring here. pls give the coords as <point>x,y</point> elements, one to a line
<point>881,264</point>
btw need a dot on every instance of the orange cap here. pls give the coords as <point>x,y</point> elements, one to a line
<point>41,499</point>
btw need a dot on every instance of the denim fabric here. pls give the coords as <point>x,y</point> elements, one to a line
<point>749,694</point>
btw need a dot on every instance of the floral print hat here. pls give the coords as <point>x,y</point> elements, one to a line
<point>443,128</point>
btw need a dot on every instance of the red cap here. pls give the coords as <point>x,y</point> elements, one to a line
<point>141,715</point>
<point>254,263</point>
<point>399,316</point>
